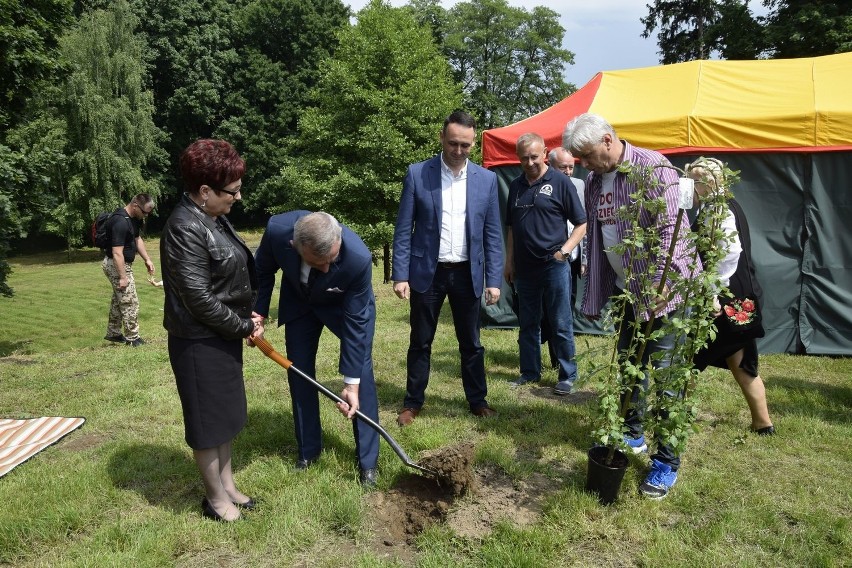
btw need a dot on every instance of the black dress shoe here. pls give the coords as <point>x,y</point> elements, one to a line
<point>305,463</point>
<point>368,477</point>
<point>249,505</point>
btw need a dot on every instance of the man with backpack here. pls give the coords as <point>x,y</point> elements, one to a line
<point>120,242</point>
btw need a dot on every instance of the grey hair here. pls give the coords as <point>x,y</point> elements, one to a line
<point>585,130</point>
<point>528,139</point>
<point>554,154</point>
<point>318,232</point>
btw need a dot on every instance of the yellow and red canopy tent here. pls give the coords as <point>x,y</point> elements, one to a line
<point>786,124</point>
<point>773,105</point>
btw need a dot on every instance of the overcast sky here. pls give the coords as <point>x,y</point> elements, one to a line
<point>603,34</point>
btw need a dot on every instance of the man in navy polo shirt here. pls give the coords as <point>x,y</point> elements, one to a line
<point>538,246</point>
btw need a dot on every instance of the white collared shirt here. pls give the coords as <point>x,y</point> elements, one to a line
<point>453,242</point>
<point>304,272</point>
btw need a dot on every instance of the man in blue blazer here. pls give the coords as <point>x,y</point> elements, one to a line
<point>448,241</point>
<point>326,282</point>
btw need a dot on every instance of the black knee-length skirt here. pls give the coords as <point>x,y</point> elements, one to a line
<point>725,345</point>
<point>209,377</point>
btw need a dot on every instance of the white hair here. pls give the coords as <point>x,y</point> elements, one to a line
<point>584,130</point>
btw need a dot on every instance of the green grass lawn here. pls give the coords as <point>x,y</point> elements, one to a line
<point>124,491</point>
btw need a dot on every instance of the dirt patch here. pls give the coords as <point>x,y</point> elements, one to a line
<point>498,498</point>
<point>469,501</point>
<point>84,442</point>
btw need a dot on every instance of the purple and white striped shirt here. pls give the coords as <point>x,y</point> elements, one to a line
<point>600,281</point>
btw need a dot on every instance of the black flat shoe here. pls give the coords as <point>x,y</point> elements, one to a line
<point>249,505</point>
<point>208,512</point>
<point>767,431</point>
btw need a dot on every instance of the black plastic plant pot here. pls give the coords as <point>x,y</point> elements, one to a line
<point>605,480</point>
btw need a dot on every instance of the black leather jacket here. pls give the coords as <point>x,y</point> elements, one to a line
<point>209,290</point>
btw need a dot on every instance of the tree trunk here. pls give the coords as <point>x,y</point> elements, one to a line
<point>387,263</point>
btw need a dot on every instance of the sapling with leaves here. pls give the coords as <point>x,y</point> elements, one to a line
<point>670,393</point>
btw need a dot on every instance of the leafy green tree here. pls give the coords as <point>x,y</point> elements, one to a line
<point>37,165</point>
<point>379,106</point>
<point>740,34</point>
<point>697,29</point>
<point>430,13</point>
<point>29,33</point>
<point>509,60</point>
<point>112,140</point>
<point>8,225</point>
<point>189,49</point>
<point>281,44</point>
<point>808,28</point>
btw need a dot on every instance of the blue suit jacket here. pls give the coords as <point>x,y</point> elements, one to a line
<point>342,299</point>
<point>417,235</point>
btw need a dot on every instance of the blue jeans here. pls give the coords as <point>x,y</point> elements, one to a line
<point>551,287</point>
<point>636,411</point>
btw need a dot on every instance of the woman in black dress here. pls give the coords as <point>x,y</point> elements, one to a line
<point>734,349</point>
<point>210,285</point>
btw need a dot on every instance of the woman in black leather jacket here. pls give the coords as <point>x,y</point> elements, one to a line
<point>210,284</point>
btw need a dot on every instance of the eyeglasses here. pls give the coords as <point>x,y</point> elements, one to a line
<point>142,209</point>
<point>231,193</point>
<point>519,205</point>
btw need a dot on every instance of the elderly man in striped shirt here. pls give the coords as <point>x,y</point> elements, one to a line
<point>593,140</point>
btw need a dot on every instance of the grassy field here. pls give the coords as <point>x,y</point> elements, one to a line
<point>124,491</point>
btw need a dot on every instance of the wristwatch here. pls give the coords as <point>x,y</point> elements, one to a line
<point>564,254</point>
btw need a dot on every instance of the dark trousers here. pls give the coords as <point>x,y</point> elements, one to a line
<point>455,283</point>
<point>302,340</point>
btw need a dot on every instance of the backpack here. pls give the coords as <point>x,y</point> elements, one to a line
<point>101,237</point>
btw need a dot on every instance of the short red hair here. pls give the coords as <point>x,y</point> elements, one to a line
<point>210,162</point>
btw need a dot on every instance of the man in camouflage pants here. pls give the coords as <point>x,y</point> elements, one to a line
<point>123,232</point>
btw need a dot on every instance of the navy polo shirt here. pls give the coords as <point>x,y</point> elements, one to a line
<point>538,213</point>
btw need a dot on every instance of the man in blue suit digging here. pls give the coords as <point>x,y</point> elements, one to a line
<point>326,282</point>
<point>448,242</point>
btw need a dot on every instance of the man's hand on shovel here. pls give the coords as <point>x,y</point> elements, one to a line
<point>350,402</point>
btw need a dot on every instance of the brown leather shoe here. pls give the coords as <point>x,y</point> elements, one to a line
<point>407,416</point>
<point>484,412</point>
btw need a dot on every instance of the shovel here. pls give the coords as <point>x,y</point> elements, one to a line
<point>270,352</point>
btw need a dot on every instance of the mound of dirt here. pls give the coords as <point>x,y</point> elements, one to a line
<point>453,466</point>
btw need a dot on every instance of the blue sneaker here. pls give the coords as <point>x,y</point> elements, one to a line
<point>660,480</point>
<point>563,388</point>
<point>636,445</point>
